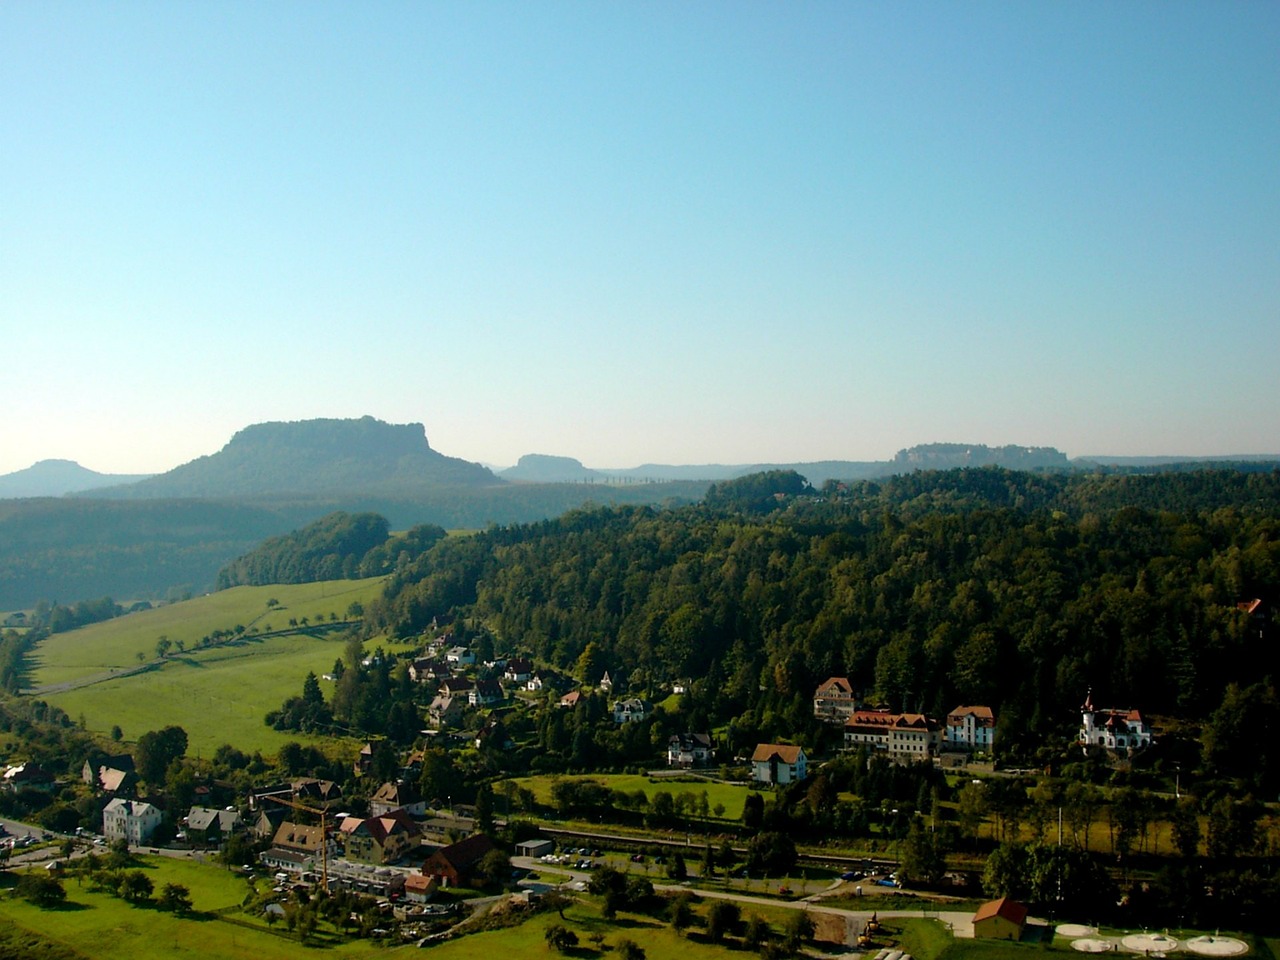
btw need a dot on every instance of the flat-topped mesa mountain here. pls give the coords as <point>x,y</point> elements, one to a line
<point>543,468</point>
<point>316,457</point>
<point>55,478</point>
<point>949,456</point>
<point>930,456</point>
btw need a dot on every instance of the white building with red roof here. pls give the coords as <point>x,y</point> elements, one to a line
<point>1120,732</point>
<point>971,728</point>
<point>834,701</point>
<point>905,737</point>
<point>778,763</point>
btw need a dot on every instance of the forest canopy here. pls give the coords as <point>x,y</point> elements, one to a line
<point>1016,590</point>
<point>338,546</point>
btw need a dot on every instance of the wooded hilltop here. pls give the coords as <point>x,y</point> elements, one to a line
<point>1021,591</point>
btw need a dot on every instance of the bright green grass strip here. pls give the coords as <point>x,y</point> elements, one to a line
<point>732,796</point>
<point>115,644</point>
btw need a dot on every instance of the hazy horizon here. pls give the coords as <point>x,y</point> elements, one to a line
<point>723,233</point>
<point>628,466</point>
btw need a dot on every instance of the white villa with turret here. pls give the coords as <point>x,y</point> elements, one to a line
<point>1119,732</point>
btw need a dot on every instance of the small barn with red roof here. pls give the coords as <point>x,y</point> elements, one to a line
<point>1001,919</point>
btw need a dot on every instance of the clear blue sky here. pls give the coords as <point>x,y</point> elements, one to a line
<point>640,232</point>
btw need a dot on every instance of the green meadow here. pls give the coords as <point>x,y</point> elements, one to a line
<point>528,939</point>
<point>218,694</point>
<point>731,796</point>
<point>115,644</point>
<point>102,927</point>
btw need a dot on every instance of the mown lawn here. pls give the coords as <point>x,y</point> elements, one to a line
<point>731,796</point>
<point>102,927</point>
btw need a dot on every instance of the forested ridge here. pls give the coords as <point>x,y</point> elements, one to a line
<point>1017,590</point>
<point>339,546</point>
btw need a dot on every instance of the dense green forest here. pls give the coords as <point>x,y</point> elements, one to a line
<point>336,547</point>
<point>1017,590</point>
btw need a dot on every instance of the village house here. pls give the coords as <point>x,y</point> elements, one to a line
<point>412,766</point>
<point>397,795</point>
<point>210,827</point>
<point>130,820</point>
<point>971,728</point>
<point>379,840</point>
<point>1001,919</point>
<point>571,699</point>
<point>518,670</point>
<point>778,763</point>
<point>460,656</point>
<point>689,750</point>
<point>903,737</point>
<point>310,788</point>
<point>1121,733</point>
<point>456,687</point>
<point>914,737</point>
<point>114,775</point>
<point>428,668</point>
<point>486,693</point>
<point>296,848</point>
<point>267,821</point>
<point>419,888</point>
<point>444,711</point>
<point>117,782</point>
<point>453,866</point>
<point>364,759</point>
<point>541,680</point>
<point>632,710</point>
<point>833,701</point>
<point>27,776</point>
<point>606,683</point>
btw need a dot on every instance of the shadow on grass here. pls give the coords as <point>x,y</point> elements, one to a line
<point>67,906</point>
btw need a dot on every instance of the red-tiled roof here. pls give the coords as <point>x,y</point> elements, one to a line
<point>839,685</point>
<point>1008,909</point>
<point>464,853</point>
<point>980,713</point>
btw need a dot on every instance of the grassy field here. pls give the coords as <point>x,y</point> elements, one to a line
<point>660,942</point>
<point>115,644</point>
<point>217,694</point>
<point>101,927</point>
<point>731,796</point>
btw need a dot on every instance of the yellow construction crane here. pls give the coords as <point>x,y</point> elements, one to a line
<point>324,835</point>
